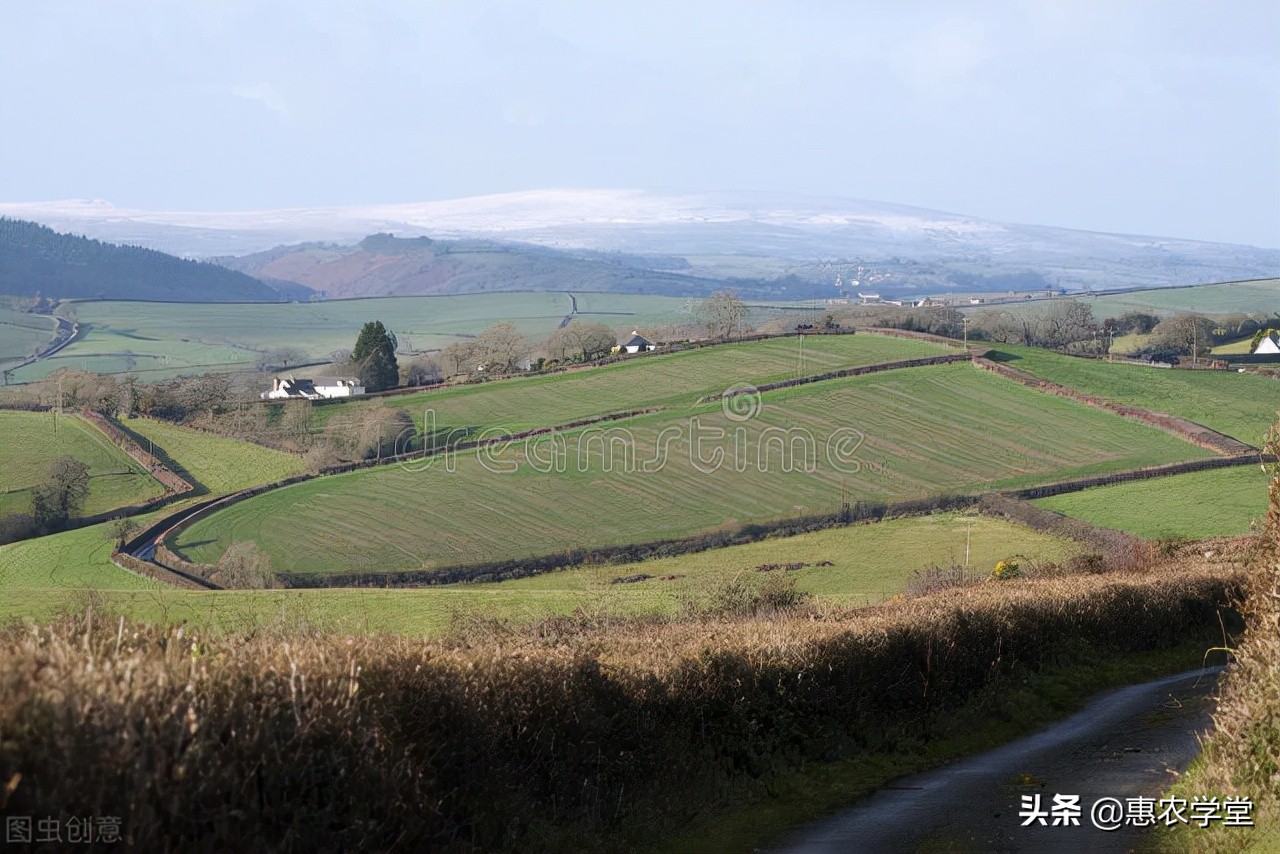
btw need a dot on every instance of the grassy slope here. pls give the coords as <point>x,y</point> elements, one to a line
<point>1211,299</point>
<point>871,562</point>
<point>21,334</point>
<point>219,464</point>
<point>675,380</point>
<point>927,430</point>
<point>159,339</point>
<point>28,445</point>
<point>1201,504</point>
<point>1240,405</point>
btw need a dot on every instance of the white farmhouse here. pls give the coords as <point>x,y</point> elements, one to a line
<point>291,388</point>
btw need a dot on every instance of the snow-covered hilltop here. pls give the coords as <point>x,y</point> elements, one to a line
<point>796,229</point>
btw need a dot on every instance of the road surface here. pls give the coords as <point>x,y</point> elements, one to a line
<point>1126,743</point>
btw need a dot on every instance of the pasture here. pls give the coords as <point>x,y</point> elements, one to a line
<point>217,463</point>
<point>896,435</point>
<point>1217,503</point>
<point>1241,405</point>
<point>159,340</point>
<point>674,380</point>
<point>22,334</point>
<point>28,444</point>
<point>869,563</point>
<point>1249,297</point>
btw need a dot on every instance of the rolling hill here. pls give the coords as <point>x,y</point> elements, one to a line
<point>385,265</point>
<point>37,260</point>
<point>714,234</point>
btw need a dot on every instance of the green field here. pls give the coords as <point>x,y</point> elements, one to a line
<point>906,433</point>
<point>677,380</point>
<point>1248,297</point>
<point>159,340</point>
<point>1200,504</point>
<point>869,563</point>
<point>22,334</point>
<point>1261,297</point>
<point>28,445</point>
<point>1239,347</point>
<point>1240,405</point>
<point>216,463</point>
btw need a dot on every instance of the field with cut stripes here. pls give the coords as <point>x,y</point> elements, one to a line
<point>676,380</point>
<point>900,434</point>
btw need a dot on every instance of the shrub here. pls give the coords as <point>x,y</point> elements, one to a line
<point>1007,569</point>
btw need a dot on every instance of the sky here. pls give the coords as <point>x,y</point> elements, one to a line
<point>1158,118</point>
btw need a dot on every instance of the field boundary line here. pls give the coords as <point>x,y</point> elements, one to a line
<point>1183,428</point>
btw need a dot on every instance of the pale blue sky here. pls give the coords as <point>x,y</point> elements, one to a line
<point>1158,118</point>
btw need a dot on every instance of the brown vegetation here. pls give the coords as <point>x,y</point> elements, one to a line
<point>573,733</point>
<point>1242,757</point>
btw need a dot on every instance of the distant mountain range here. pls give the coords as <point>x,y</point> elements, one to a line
<point>717,235</point>
<point>382,265</point>
<point>37,260</point>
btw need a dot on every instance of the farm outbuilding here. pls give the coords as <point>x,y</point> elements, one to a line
<point>1269,345</point>
<point>638,344</point>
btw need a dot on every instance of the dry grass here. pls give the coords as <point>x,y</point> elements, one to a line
<point>577,732</point>
<point>1242,757</point>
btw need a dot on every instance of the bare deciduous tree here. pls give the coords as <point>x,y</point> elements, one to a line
<point>723,314</point>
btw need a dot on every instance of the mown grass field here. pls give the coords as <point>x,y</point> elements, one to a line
<point>901,434</point>
<point>1241,405</point>
<point>1201,504</point>
<point>159,340</point>
<point>22,334</point>
<point>869,563</point>
<point>676,380</point>
<point>28,445</point>
<point>217,463</point>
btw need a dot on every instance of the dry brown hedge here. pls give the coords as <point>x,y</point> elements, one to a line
<point>543,739</point>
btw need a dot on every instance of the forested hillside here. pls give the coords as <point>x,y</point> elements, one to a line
<point>38,260</point>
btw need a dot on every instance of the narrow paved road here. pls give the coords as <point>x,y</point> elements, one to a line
<point>1126,743</point>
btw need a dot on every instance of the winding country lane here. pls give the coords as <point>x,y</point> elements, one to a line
<point>1126,743</point>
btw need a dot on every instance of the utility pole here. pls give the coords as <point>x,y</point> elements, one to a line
<point>1194,340</point>
<point>964,321</point>
<point>57,410</point>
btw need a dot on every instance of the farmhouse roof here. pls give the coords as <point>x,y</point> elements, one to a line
<point>637,340</point>
<point>292,387</point>
<point>333,381</point>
